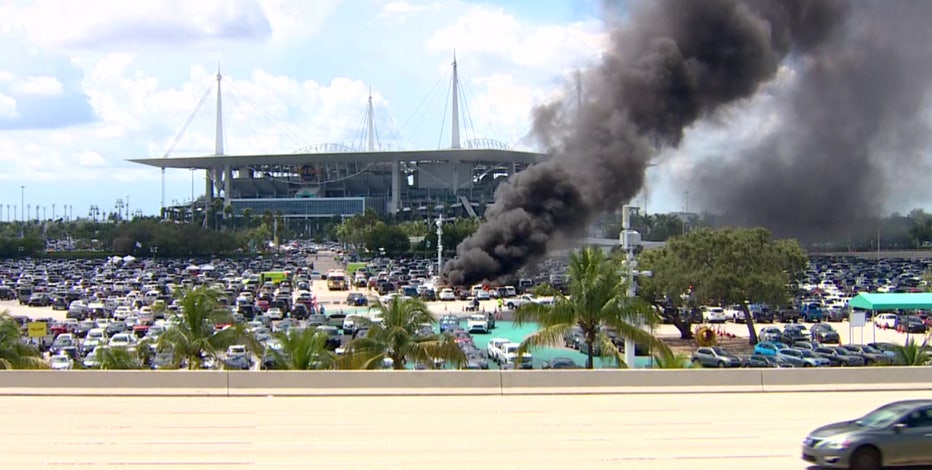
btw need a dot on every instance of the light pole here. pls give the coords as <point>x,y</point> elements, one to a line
<point>22,196</point>
<point>439,244</point>
<point>630,241</point>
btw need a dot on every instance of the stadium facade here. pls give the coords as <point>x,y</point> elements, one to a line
<point>334,180</point>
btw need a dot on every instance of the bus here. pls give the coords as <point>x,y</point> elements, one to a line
<point>336,280</point>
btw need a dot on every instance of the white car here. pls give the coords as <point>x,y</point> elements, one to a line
<point>61,362</point>
<point>275,313</point>
<point>714,315</point>
<point>122,340</point>
<point>447,295</point>
<point>886,320</point>
<point>477,323</point>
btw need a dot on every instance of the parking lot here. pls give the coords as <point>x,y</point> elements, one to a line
<point>133,285</point>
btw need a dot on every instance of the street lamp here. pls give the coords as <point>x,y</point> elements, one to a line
<point>439,244</point>
<point>630,241</point>
<point>22,196</point>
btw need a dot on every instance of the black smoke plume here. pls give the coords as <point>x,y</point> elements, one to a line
<point>672,63</point>
<point>850,133</point>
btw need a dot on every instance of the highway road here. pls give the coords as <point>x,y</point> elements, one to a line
<point>744,431</point>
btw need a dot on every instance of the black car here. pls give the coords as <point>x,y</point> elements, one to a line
<point>787,315</point>
<point>357,299</point>
<point>561,363</point>
<point>334,338</point>
<point>794,333</point>
<point>59,304</point>
<point>825,334</point>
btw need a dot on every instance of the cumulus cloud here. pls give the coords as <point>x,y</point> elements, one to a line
<point>7,107</point>
<point>117,24</point>
<point>38,85</point>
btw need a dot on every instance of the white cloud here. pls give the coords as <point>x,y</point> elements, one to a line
<point>90,158</point>
<point>116,23</point>
<point>485,30</point>
<point>400,9</point>
<point>38,85</point>
<point>8,107</point>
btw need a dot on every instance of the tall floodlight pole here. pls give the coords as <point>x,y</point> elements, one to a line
<point>630,241</point>
<point>22,197</point>
<point>439,244</point>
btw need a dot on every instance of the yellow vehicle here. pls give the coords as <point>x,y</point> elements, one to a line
<point>275,277</point>
<point>336,280</point>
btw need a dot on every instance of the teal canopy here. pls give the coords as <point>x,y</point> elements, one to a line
<point>914,301</point>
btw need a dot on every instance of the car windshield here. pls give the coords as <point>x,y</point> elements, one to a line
<point>721,352</point>
<point>870,350</point>
<point>807,353</point>
<point>791,352</point>
<point>883,416</point>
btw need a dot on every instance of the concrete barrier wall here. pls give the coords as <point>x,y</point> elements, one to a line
<point>847,378</point>
<point>382,382</point>
<point>630,381</point>
<point>115,382</point>
<point>361,383</point>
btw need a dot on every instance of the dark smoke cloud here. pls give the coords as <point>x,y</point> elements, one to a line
<point>851,121</point>
<point>674,62</point>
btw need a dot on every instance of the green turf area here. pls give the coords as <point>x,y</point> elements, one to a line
<point>506,329</point>
<point>351,268</point>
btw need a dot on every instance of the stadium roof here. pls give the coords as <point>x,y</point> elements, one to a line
<point>460,155</point>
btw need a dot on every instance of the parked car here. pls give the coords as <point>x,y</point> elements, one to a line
<point>770,333</point>
<point>768,348</point>
<point>824,333</point>
<point>886,320</point>
<point>561,363</point>
<point>715,357</point>
<point>840,356</point>
<point>871,356</point>
<point>787,315</point>
<point>803,358</point>
<point>895,434</point>
<point>795,332</point>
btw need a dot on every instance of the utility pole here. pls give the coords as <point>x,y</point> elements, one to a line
<point>630,241</point>
<point>439,244</point>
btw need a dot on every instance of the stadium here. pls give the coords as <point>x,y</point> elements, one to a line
<point>337,180</point>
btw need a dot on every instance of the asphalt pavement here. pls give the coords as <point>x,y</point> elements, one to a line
<point>697,431</point>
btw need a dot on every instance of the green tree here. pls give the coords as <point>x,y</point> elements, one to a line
<point>396,337</point>
<point>119,359</point>
<point>911,354</point>
<point>597,300</point>
<point>669,359</point>
<point>14,354</point>
<point>388,237</point>
<point>303,349</point>
<point>723,267</point>
<point>195,339</point>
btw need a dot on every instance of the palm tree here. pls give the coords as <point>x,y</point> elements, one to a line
<point>597,301</point>
<point>911,354</point>
<point>14,353</point>
<point>195,338</point>
<point>670,360</point>
<point>397,338</point>
<point>119,359</point>
<point>304,349</point>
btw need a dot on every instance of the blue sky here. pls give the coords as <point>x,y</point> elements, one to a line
<point>86,85</point>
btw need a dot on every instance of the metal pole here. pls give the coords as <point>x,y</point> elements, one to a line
<point>22,196</point>
<point>628,244</point>
<point>439,244</point>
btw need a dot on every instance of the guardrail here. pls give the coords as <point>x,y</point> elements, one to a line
<point>379,383</point>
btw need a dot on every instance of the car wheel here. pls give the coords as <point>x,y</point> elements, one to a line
<point>807,365</point>
<point>865,458</point>
<point>721,364</point>
<point>696,363</point>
